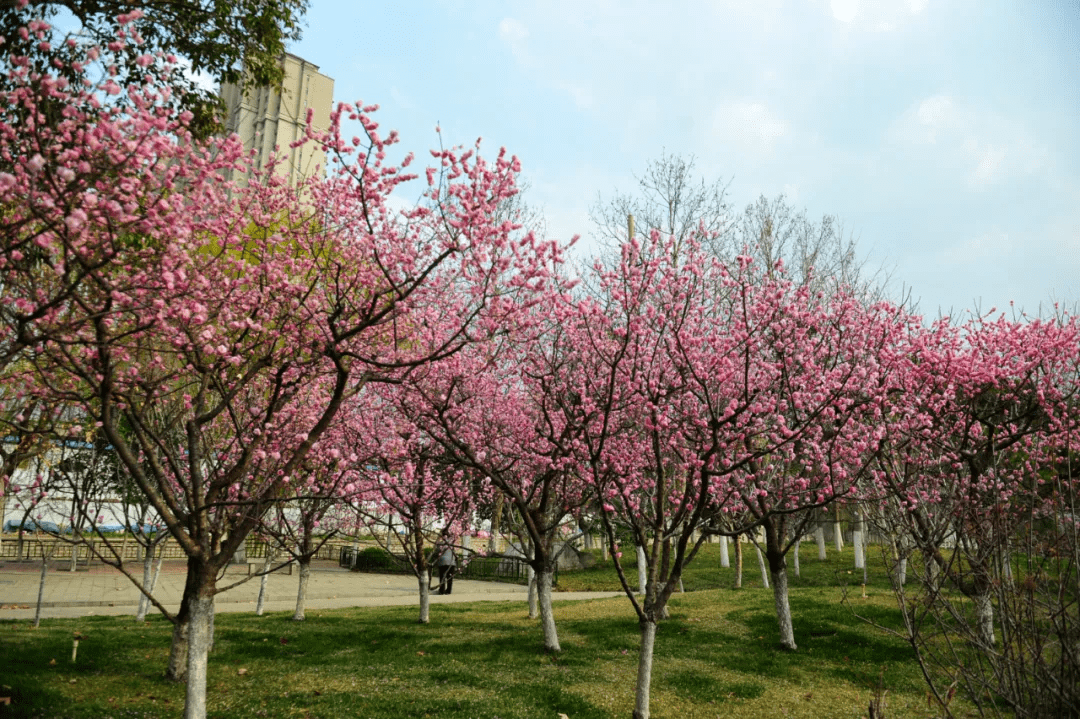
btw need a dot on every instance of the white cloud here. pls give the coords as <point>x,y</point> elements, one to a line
<point>516,35</point>
<point>990,167</point>
<point>984,146</point>
<point>750,125</point>
<point>582,96</point>
<point>400,98</point>
<point>875,15</point>
<point>844,10</point>
<point>936,111</point>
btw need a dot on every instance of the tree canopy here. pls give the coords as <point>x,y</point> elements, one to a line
<point>239,41</point>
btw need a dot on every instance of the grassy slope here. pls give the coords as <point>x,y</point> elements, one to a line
<point>717,656</point>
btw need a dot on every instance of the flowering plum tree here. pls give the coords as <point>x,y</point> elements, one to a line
<point>497,412</point>
<point>711,390</point>
<point>975,473</point>
<point>408,486</point>
<point>212,332</point>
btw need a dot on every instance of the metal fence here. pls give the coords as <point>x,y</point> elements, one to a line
<point>33,546</point>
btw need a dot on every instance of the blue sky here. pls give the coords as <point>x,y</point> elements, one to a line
<point>945,134</point>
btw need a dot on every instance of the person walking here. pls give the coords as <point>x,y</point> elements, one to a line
<point>447,566</point>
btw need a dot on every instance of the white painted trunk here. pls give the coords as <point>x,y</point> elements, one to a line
<point>424,581</point>
<point>301,591</point>
<point>642,570</point>
<point>819,538</point>
<point>783,610</point>
<point>725,560</point>
<point>603,551</point>
<point>547,617</point>
<point>74,557</point>
<point>857,542</point>
<point>1006,569</point>
<point>761,566</point>
<point>41,589</point>
<point>838,536</point>
<point>148,562</point>
<point>901,571</point>
<point>264,579</point>
<point>534,612</point>
<point>199,641</point>
<point>984,619</point>
<point>798,543</point>
<point>738,562</point>
<point>644,672</point>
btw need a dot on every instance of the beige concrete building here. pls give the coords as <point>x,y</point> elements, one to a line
<point>266,118</point>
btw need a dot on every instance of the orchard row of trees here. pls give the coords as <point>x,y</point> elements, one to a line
<point>236,347</point>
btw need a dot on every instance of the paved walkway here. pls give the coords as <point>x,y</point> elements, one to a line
<point>102,590</point>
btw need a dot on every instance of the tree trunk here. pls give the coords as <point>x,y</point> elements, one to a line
<point>178,651</point>
<point>725,561</point>
<point>901,572</point>
<point>838,535</point>
<point>41,589</point>
<point>264,579</point>
<point>547,617</point>
<point>644,674</point>
<point>761,566</point>
<point>301,590</point>
<point>819,537</point>
<point>798,543</point>
<point>738,563</point>
<point>984,619</point>
<point>534,612</point>
<point>199,640</point>
<point>642,570</point>
<point>148,565</point>
<point>74,553</point>
<point>496,522</point>
<point>778,570</point>
<point>857,541</point>
<point>783,607</point>
<point>424,581</point>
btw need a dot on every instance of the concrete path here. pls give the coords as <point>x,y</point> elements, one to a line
<point>105,591</point>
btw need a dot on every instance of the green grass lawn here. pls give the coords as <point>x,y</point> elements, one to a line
<point>716,656</point>
<point>705,571</point>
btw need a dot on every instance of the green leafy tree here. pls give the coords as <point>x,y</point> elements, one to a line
<point>238,41</point>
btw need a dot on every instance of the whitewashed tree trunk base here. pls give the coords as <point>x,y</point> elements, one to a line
<point>819,538</point>
<point>725,560</point>
<point>984,619</point>
<point>644,675</point>
<point>783,610</point>
<point>424,582</point>
<point>301,592</point>
<point>199,640</point>
<point>547,617</point>
<point>534,611</point>
<point>642,570</point>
